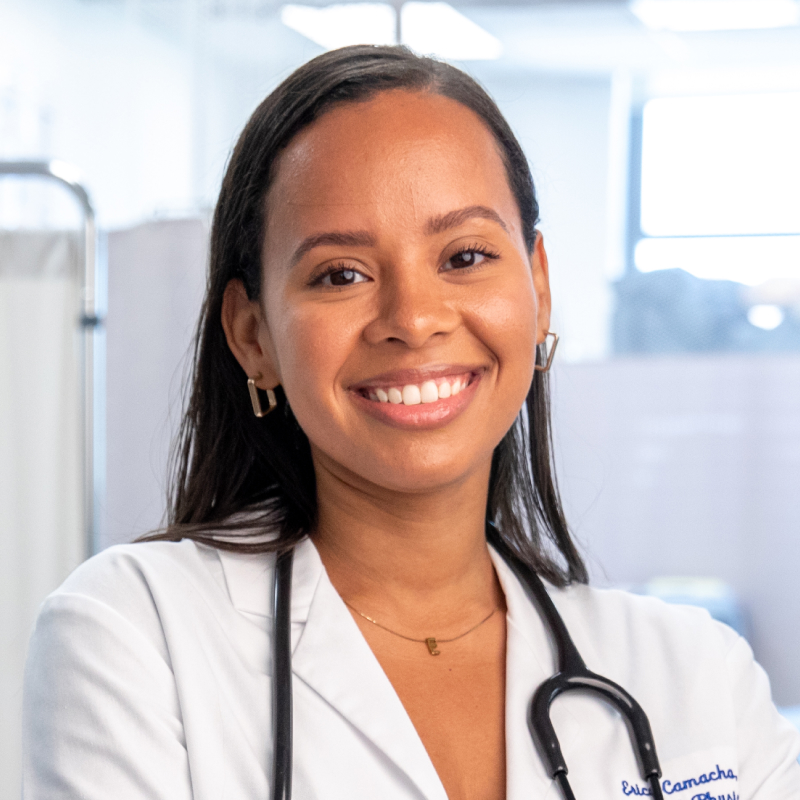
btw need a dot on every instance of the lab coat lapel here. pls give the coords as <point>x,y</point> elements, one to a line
<point>334,659</point>
<point>530,660</point>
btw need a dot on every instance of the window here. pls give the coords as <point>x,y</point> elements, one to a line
<point>715,245</point>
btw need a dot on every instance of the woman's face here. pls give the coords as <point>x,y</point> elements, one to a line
<point>400,308</point>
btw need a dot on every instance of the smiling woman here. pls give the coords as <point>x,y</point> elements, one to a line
<point>377,276</point>
<point>326,190</point>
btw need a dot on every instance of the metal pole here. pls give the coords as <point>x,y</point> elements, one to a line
<point>398,21</point>
<point>68,176</point>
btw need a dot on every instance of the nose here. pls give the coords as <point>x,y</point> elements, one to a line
<point>415,306</point>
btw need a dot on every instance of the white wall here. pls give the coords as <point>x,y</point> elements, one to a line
<point>80,85</point>
<point>145,99</point>
<point>155,290</point>
<point>690,465</point>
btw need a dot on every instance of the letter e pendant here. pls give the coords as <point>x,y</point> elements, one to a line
<point>432,646</point>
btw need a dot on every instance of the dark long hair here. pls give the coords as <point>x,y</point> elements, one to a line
<point>226,461</point>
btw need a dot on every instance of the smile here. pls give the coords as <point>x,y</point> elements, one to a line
<point>414,394</point>
<point>420,398</point>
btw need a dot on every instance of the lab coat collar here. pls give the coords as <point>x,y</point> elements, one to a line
<point>529,661</point>
<point>249,580</point>
<point>332,657</point>
<point>350,678</point>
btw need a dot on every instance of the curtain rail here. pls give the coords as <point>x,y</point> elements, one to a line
<point>89,321</point>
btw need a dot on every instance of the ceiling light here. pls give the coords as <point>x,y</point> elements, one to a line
<point>766,317</point>
<point>716,15</point>
<point>343,24</point>
<point>430,28</point>
<point>438,29</point>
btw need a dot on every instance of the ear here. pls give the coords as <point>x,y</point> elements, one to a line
<point>541,284</point>
<point>248,336</point>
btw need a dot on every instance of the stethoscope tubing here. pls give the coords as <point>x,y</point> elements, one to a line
<point>572,675</point>
<point>282,679</point>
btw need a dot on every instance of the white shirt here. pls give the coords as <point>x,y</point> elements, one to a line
<point>149,677</point>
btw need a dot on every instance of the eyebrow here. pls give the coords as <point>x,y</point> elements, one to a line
<point>336,238</point>
<point>434,225</point>
<point>455,218</point>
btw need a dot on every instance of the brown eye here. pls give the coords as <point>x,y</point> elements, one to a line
<point>466,259</point>
<point>341,277</point>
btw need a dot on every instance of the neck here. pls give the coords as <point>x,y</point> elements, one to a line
<point>406,554</point>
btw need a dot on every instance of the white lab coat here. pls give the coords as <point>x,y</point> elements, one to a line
<point>149,677</point>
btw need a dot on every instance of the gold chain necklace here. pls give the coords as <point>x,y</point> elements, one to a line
<point>431,641</point>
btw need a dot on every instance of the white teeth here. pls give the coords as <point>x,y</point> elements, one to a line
<point>429,392</point>
<point>411,395</point>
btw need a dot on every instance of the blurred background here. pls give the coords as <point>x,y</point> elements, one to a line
<point>664,139</point>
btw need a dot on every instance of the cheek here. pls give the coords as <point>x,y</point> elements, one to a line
<point>312,346</point>
<point>506,322</point>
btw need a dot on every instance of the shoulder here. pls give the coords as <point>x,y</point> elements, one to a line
<point>697,678</point>
<point>629,634</point>
<point>136,587</point>
<point>623,616</point>
<point>114,649</point>
<point>619,632</point>
<point>119,567</point>
<point>671,657</point>
<point>122,572</point>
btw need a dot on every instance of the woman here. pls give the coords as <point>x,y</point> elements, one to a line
<point>377,302</point>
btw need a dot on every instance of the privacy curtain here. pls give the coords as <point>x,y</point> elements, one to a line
<point>40,451</point>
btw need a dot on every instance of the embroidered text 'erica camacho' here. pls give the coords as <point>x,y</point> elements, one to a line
<point>669,787</point>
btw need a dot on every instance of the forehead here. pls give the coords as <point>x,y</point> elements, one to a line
<point>401,157</point>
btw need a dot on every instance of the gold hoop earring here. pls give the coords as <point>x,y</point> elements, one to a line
<point>255,400</point>
<point>549,362</point>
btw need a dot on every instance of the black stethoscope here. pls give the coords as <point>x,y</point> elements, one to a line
<point>572,674</point>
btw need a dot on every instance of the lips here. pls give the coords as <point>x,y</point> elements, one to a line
<point>418,398</point>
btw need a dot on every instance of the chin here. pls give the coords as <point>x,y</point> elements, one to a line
<point>402,462</point>
<point>415,475</point>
